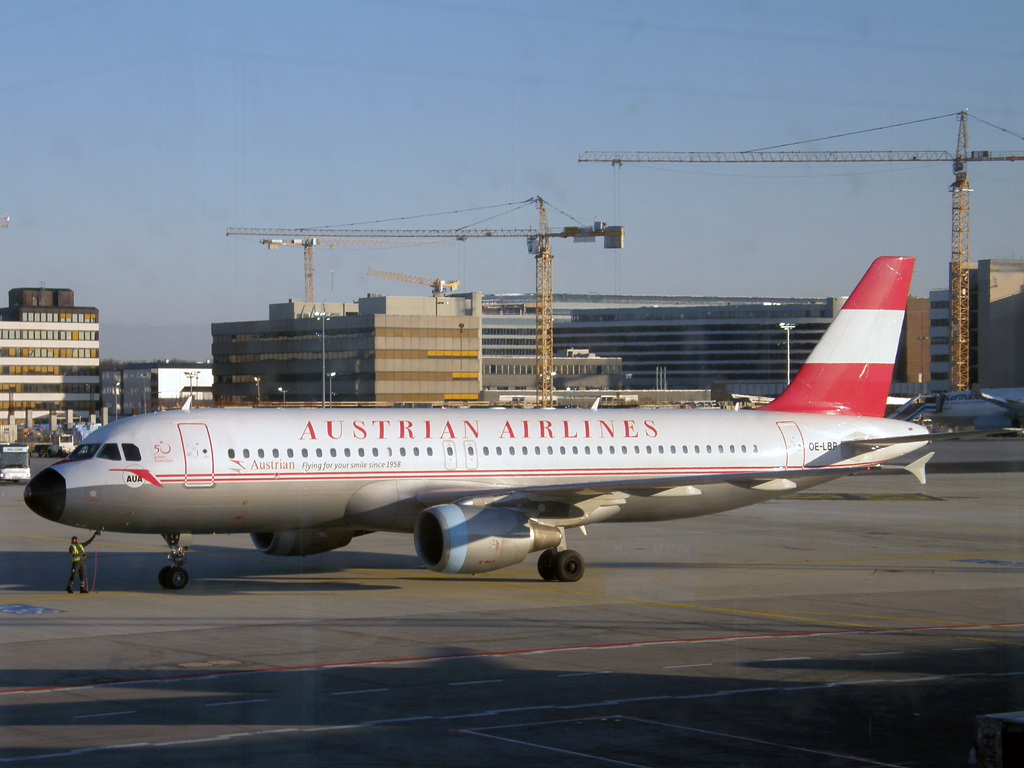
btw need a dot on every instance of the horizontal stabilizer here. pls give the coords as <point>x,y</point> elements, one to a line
<point>880,442</point>
<point>917,468</point>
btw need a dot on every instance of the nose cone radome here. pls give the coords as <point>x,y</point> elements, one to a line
<point>46,493</point>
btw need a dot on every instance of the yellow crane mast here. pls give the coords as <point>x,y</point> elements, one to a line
<point>959,264</point>
<point>538,242</point>
<point>439,286</point>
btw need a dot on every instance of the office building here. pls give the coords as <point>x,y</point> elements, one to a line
<point>50,351</point>
<point>378,349</point>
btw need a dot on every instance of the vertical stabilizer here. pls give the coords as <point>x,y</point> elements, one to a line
<point>850,370</point>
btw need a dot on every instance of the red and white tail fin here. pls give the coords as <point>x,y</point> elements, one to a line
<point>850,370</point>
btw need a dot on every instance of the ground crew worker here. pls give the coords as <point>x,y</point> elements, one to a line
<point>78,563</point>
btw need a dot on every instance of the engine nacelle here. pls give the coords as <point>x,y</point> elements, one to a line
<point>451,538</point>
<point>306,541</point>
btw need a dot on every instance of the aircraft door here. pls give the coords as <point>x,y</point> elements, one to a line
<point>794,443</point>
<point>471,459</point>
<point>198,450</point>
<point>451,461</point>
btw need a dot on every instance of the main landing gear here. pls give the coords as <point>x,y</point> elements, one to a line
<point>174,576</point>
<point>566,565</point>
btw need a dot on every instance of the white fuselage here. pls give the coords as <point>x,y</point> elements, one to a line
<point>246,471</point>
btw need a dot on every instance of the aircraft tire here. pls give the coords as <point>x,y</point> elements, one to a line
<point>546,564</point>
<point>162,577</point>
<point>177,578</point>
<point>569,566</point>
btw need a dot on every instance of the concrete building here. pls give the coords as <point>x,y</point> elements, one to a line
<point>1000,338</point>
<point>380,349</point>
<point>996,350</point>
<point>50,351</point>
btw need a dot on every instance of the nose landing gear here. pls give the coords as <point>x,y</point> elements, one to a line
<point>174,576</point>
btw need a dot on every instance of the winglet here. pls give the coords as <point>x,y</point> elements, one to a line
<point>917,468</point>
<point>596,404</point>
<point>188,404</point>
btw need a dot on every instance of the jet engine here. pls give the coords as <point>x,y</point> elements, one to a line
<point>302,542</point>
<point>454,538</point>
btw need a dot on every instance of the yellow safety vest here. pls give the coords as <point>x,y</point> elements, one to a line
<point>77,553</point>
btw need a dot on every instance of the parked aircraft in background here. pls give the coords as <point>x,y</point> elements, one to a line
<point>479,490</point>
<point>981,409</point>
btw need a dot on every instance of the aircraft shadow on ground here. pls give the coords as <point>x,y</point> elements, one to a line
<point>210,568</point>
<point>436,711</point>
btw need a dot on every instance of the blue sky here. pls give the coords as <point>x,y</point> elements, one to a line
<point>134,134</point>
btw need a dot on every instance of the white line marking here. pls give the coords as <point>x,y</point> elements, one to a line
<point>687,666</point>
<point>583,674</point>
<point>776,744</point>
<point>790,658</point>
<point>724,693</point>
<point>368,723</point>
<point>882,653</point>
<point>477,682</point>
<point>352,693</point>
<point>556,750</point>
<point>231,703</point>
<point>973,648</point>
<point>104,714</point>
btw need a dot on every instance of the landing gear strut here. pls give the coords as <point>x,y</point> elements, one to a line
<point>566,565</point>
<point>174,576</point>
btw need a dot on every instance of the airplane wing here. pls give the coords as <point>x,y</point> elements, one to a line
<point>565,500</point>
<point>1015,407</point>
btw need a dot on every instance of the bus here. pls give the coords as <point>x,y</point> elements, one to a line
<point>14,463</point>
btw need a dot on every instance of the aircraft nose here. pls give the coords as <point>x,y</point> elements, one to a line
<point>46,493</point>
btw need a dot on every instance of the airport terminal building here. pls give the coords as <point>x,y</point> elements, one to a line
<point>741,345</point>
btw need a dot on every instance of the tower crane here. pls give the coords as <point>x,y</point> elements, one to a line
<point>439,286</point>
<point>959,309</point>
<point>274,238</point>
<point>538,244</point>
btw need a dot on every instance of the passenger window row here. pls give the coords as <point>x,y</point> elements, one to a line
<point>623,450</point>
<point>289,453</point>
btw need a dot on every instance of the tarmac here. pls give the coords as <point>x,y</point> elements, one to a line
<point>864,623</point>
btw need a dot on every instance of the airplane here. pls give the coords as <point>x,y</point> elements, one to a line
<point>979,409</point>
<point>480,490</point>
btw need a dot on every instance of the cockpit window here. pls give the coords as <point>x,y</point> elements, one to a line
<point>131,452</point>
<point>109,451</point>
<point>84,451</point>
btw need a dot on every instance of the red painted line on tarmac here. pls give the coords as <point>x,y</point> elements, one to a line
<point>501,654</point>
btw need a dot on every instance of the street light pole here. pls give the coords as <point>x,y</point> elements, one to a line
<point>284,395</point>
<point>787,327</point>
<point>333,374</point>
<point>323,356</point>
